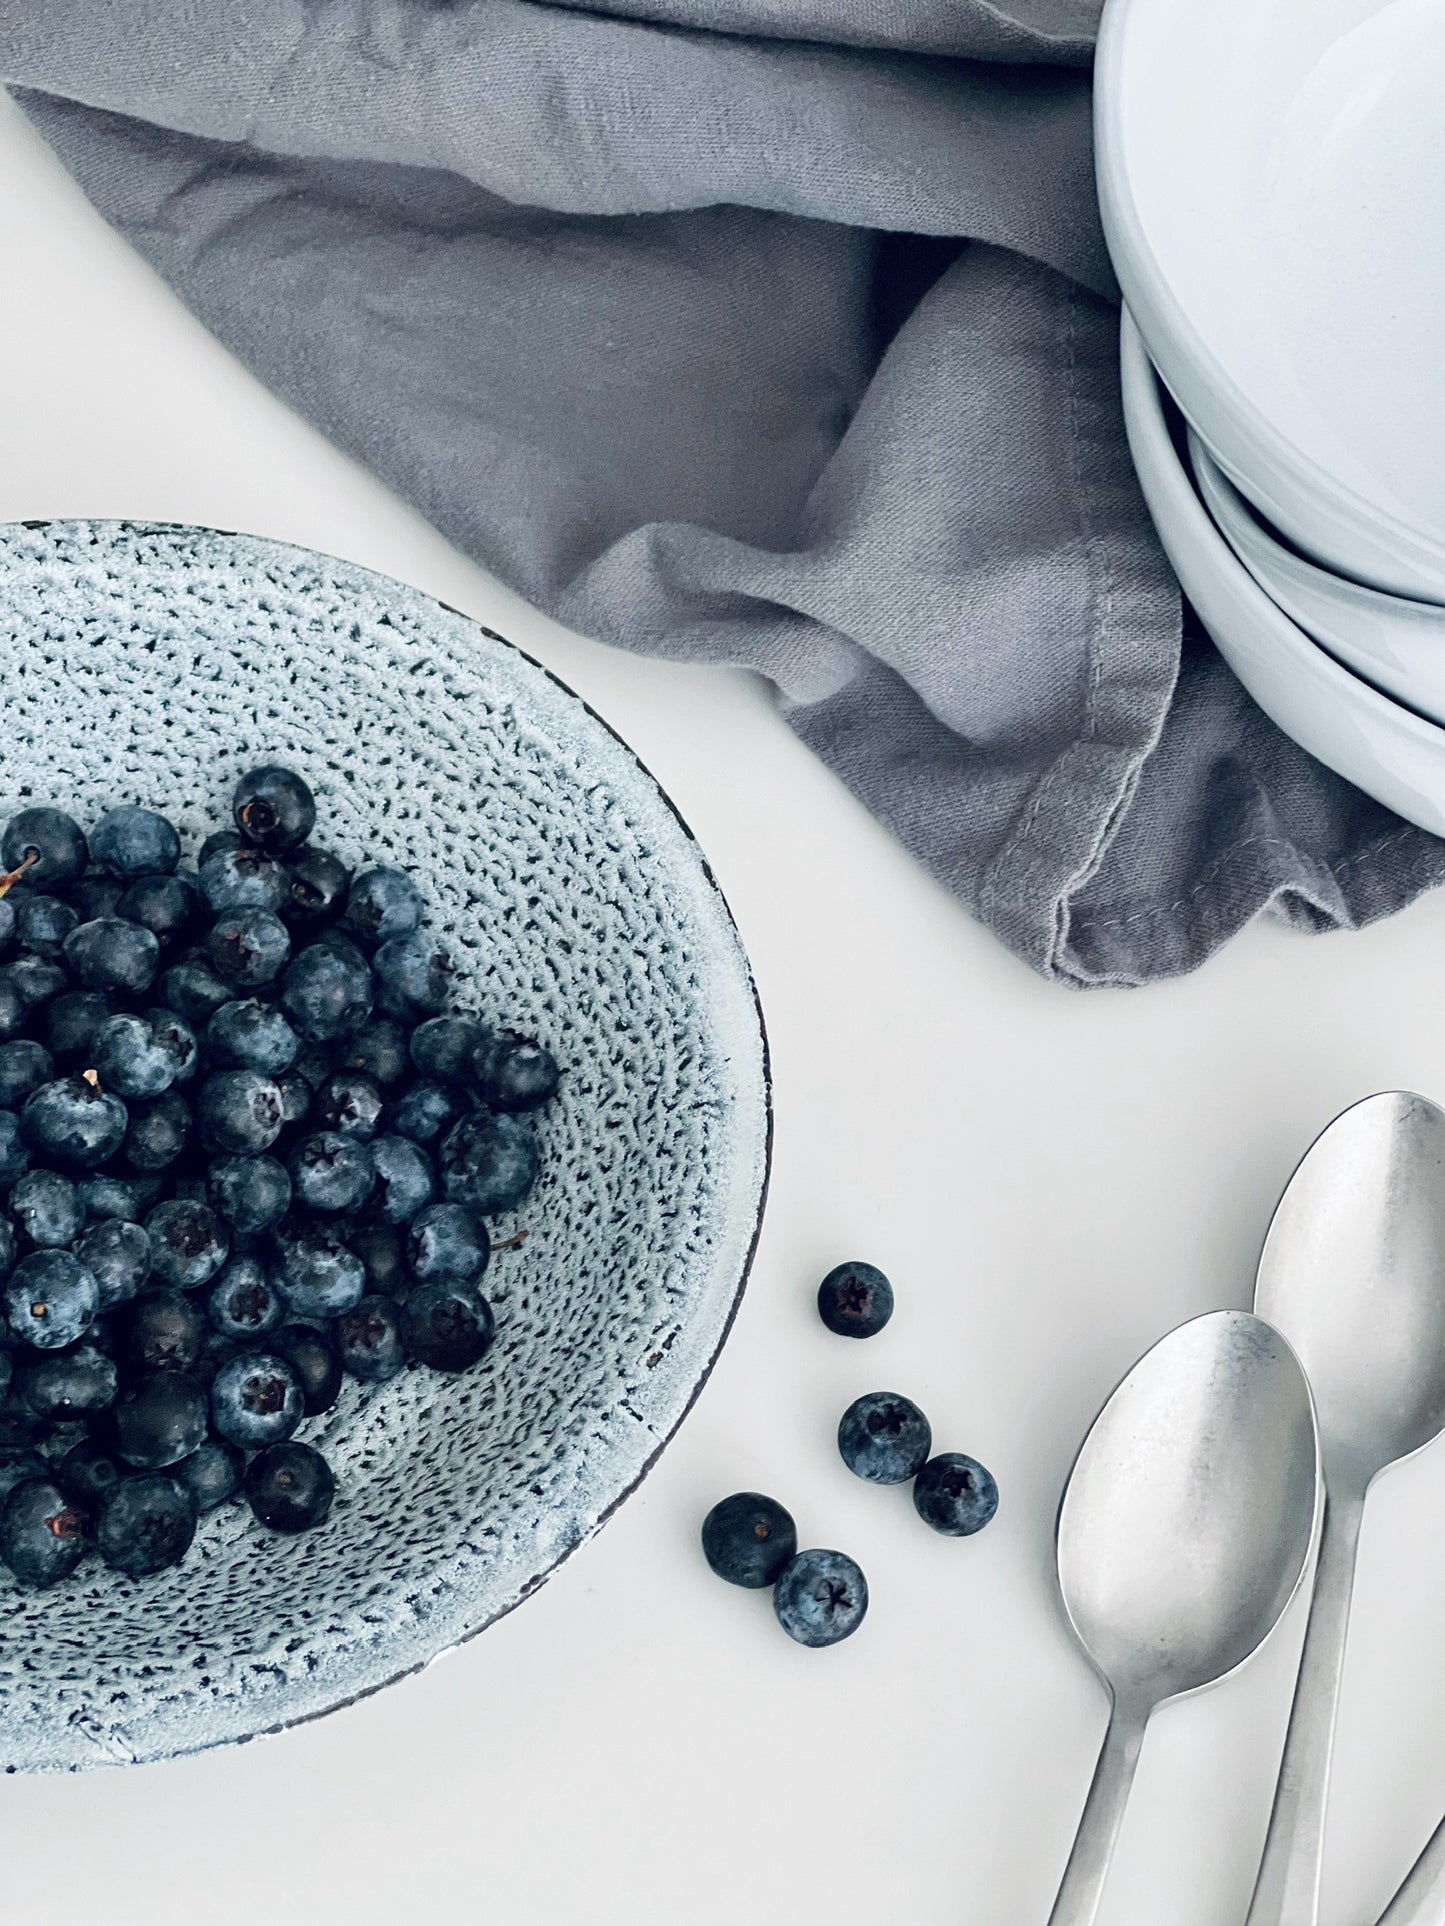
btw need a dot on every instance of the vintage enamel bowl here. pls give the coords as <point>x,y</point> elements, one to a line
<point>155,664</point>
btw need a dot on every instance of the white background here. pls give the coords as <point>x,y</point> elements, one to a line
<point>1051,1179</point>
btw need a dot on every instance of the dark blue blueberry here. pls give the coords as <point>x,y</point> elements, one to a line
<point>218,843</point>
<point>24,1066</point>
<point>130,842</point>
<point>20,1429</point>
<point>327,992</point>
<point>290,1487</point>
<point>63,1386</point>
<point>368,1340</point>
<point>251,1193</point>
<point>381,1250</point>
<point>193,990</point>
<point>748,1539</point>
<point>447,1326</point>
<point>189,1243</point>
<point>145,1525</point>
<point>349,1105</point>
<point>249,947</point>
<point>159,1419</point>
<point>312,1356</point>
<point>383,903</point>
<point>18,1465</point>
<point>35,978</point>
<point>426,1112</point>
<point>256,1400</point>
<point>110,954</point>
<point>97,895</point>
<point>489,1163</point>
<point>108,1197</point>
<point>212,1473</point>
<point>442,1048</point>
<point>820,1598</point>
<point>295,1098</point>
<point>405,1181</point>
<point>515,1072</point>
<point>48,1209</point>
<point>855,1300</point>
<point>316,1274</point>
<point>14,1010</point>
<point>315,1064</point>
<point>43,923</point>
<point>142,1056</point>
<point>330,1172</point>
<point>49,842</point>
<point>243,1303</point>
<point>50,1297</point>
<point>150,1186</point>
<point>414,977</point>
<point>71,1023</point>
<point>379,1051</point>
<point>273,808</point>
<point>157,1134</point>
<point>884,1438</point>
<point>87,1472</point>
<point>7,1261</point>
<point>42,1534</point>
<point>14,1157</point>
<point>117,1253</point>
<point>169,907</point>
<point>317,891</point>
<point>239,1113</point>
<point>955,1494</point>
<point>448,1241</point>
<point>163,1330</point>
<point>251,1035</point>
<point>217,1350</point>
<point>240,879</point>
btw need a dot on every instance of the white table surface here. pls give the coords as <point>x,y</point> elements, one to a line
<point>1052,1180</point>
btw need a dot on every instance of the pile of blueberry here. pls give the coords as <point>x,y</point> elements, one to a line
<point>821,1597</point>
<point>246,1148</point>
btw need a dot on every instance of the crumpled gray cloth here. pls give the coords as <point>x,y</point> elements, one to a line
<point>769,332</point>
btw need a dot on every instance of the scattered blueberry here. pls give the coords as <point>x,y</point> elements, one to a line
<point>241,879</point>
<point>24,1066</point>
<point>145,1525</point>
<point>855,1300</point>
<point>330,1172</point>
<point>489,1163</point>
<point>97,895</point>
<point>378,1050</point>
<point>884,1438</point>
<point>14,1157</point>
<point>42,923</point>
<point>108,1197</point>
<point>50,842</point>
<point>425,1112</point>
<point>316,1273</point>
<point>443,1047</point>
<point>290,1487</point>
<point>955,1494</point>
<point>239,1112</point>
<point>63,1386</point>
<point>157,1133</point>
<point>368,1340</point>
<point>35,978</point>
<point>168,906</point>
<point>256,1400</point>
<point>515,1072</point>
<point>42,1534</point>
<point>383,903</point>
<point>821,1598</point>
<point>194,991</point>
<point>749,1539</point>
<point>72,1021</point>
<point>273,808</point>
<point>381,1248</point>
<point>447,1326</point>
<point>87,1472</point>
<point>131,841</point>
<point>139,1056</point>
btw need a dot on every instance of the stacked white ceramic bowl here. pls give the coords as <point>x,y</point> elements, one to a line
<point>1273,185</point>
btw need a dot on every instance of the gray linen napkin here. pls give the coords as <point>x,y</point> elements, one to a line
<point>769,332</point>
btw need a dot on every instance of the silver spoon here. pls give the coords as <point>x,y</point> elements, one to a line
<point>1184,1530</point>
<point>1353,1274</point>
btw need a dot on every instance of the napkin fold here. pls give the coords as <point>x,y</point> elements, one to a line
<point>769,332</point>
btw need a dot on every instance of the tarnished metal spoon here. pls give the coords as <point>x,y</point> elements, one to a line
<point>1353,1274</point>
<point>1184,1529</point>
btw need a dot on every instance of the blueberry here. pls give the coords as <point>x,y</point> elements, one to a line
<point>193,990</point>
<point>290,1487</point>
<point>219,843</point>
<point>97,895</point>
<point>87,1472</point>
<point>448,1241</point>
<point>135,842</point>
<point>110,954</point>
<point>50,1297</point>
<point>447,1326</point>
<point>243,1304</point>
<point>212,1473</point>
<point>108,1197</point>
<point>251,1035</point>
<point>42,923</point>
<point>317,890</point>
<point>350,1106</point>
<point>150,1186</point>
<point>884,1438</point>
<point>13,1008</point>
<point>51,843</point>
<point>251,1193</point>
<point>316,1274</point>
<point>20,1429</point>
<point>16,1465</point>
<point>273,808</point>
<point>159,1419</point>
<point>249,947</point>
<point>240,879</point>
<point>326,992</point>
<point>117,1253</point>
<point>383,903</point>
<point>36,980</point>
<point>855,1300</point>
<point>145,1525</point>
<point>48,1209</point>
<point>312,1356</point>
<point>405,1181</point>
<point>489,1163</point>
<point>158,1133</point>
<point>163,1330</point>
<point>295,1098</point>
<point>168,906</point>
<point>378,1050</point>
<point>380,1248</point>
<point>442,1048</point>
<point>820,1598</point>
<point>189,1243</point>
<point>256,1400</point>
<point>748,1539</point>
<point>515,1073</point>
<point>42,1534</point>
<point>24,1066</point>
<point>368,1340</point>
<point>314,1065</point>
<point>413,976</point>
<point>426,1112</point>
<point>330,1172</point>
<point>72,1022</point>
<point>62,1386</point>
<point>955,1494</point>
<point>239,1113</point>
<point>135,1058</point>
<point>9,923</point>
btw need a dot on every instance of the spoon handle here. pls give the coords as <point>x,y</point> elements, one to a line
<point>1421,1900</point>
<point>1287,1891</point>
<point>1082,1886</point>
